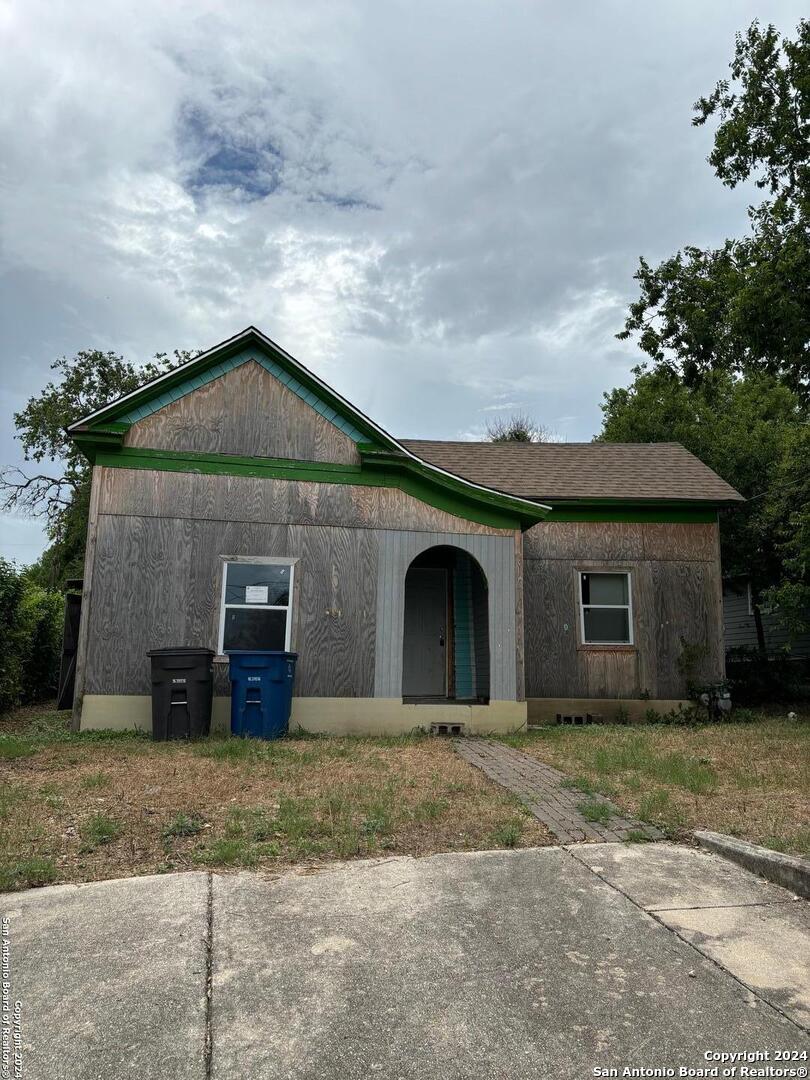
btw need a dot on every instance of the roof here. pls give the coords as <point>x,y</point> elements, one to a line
<point>598,471</point>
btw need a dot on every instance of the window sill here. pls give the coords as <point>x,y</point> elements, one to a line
<point>585,647</point>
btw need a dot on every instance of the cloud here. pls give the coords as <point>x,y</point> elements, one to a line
<point>438,207</point>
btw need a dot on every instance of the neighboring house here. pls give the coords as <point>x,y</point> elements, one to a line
<point>239,501</point>
<point>740,628</point>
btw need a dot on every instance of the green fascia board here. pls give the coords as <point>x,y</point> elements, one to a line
<point>245,347</point>
<point>529,513</point>
<point>434,495</point>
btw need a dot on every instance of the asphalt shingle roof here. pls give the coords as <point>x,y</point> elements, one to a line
<point>560,471</point>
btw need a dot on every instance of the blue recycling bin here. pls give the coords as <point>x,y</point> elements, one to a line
<point>261,692</point>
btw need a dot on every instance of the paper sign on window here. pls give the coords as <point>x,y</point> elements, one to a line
<point>256,594</point>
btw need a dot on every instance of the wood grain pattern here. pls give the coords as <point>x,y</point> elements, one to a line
<point>676,599</point>
<point>246,411</point>
<point>584,540</point>
<point>148,493</point>
<point>96,484</point>
<point>553,668</point>
<point>681,542</point>
<point>158,584</point>
<point>622,540</point>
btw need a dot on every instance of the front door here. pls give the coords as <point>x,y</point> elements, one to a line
<point>424,661</point>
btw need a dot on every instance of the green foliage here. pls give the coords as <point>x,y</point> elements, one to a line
<point>728,329</point>
<point>594,810</point>
<point>31,636</point>
<point>742,308</point>
<point>60,493</point>
<point>508,835</point>
<point>753,432</point>
<point>26,873</point>
<point>183,825</point>
<point>97,830</point>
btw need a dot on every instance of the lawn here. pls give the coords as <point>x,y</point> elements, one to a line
<point>750,780</point>
<point>101,805</point>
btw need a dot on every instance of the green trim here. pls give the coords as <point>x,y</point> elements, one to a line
<point>634,512</point>
<point>249,346</point>
<point>428,491</point>
<point>528,512</point>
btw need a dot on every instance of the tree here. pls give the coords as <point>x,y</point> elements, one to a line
<point>744,307</point>
<point>753,433</point>
<point>59,491</point>
<point>518,428</point>
<point>727,329</point>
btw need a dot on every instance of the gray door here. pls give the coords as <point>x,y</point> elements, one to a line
<point>424,660</point>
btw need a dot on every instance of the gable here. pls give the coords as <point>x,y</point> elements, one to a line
<point>246,411</point>
<point>154,426</point>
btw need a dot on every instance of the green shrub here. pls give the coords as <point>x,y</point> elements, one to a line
<point>31,634</point>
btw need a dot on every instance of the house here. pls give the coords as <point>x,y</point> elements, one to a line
<point>740,627</point>
<point>239,501</point>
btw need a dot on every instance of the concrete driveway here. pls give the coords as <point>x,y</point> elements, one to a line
<point>546,962</point>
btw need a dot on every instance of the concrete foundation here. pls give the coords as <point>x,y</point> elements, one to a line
<point>603,710</point>
<point>324,716</point>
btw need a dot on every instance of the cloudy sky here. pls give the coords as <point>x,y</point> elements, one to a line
<point>437,205</point>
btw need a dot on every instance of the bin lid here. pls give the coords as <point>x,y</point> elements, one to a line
<point>182,650</point>
<point>259,652</point>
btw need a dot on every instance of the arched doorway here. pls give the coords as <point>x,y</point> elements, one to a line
<point>445,653</point>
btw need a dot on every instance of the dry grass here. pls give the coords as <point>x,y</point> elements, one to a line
<point>87,807</point>
<point>750,780</point>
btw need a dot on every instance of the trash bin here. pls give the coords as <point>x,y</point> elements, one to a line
<point>182,689</point>
<point>261,692</point>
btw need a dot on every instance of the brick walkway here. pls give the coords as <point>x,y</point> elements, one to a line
<point>543,790</point>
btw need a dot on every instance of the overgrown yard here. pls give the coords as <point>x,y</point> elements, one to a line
<point>100,805</point>
<point>749,780</point>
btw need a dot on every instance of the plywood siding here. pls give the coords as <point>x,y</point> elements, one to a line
<point>147,493</point>
<point>158,580</point>
<point>675,581</point>
<point>248,412</point>
<point>161,539</point>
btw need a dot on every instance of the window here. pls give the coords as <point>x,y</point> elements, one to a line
<point>255,611</point>
<point>607,613</point>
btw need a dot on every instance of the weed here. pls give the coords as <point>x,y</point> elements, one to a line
<point>233,750</point>
<point>508,834</point>
<point>98,829</point>
<point>183,825</point>
<point>590,787</point>
<point>11,795</point>
<point>794,842</point>
<point>595,811</point>
<point>429,809</point>
<point>225,852</point>
<point>12,747</point>
<point>26,873</point>
<point>95,780</point>
<point>636,836</point>
<point>657,806</point>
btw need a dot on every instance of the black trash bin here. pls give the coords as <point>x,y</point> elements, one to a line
<point>182,689</point>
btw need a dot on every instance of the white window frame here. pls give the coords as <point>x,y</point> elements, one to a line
<point>261,560</point>
<point>628,607</point>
